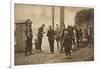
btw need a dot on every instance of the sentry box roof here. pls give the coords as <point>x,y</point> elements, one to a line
<point>23,21</point>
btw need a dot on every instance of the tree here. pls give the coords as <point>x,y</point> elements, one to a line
<point>84,16</point>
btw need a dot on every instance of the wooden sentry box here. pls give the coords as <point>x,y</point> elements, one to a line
<point>20,41</point>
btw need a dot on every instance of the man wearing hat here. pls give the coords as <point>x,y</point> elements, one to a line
<point>28,38</point>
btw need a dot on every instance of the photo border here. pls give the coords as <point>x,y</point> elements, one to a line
<point>12,66</point>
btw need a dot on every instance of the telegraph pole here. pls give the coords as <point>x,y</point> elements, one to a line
<point>61,16</point>
<point>53,16</point>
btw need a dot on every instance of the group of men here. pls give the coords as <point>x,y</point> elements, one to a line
<point>65,38</point>
<point>69,38</point>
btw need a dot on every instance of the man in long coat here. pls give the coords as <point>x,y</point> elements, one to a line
<point>28,34</point>
<point>67,44</point>
<point>50,35</point>
<point>61,38</point>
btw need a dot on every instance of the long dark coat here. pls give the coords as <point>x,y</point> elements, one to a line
<point>50,35</point>
<point>67,43</point>
<point>28,33</point>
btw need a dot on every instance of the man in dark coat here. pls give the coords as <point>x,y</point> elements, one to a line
<point>61,38</point>
<point>71,34</point>
<point>67,44</point>
<point>50,35</point>
<point>40,35</point>
<point>28,33</point>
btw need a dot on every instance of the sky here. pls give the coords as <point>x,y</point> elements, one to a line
<point>42,14</point>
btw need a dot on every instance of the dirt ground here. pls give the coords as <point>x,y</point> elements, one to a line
<point>83,54</point>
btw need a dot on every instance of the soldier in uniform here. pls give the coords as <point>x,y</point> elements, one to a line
<point>30,38</point>
<point>28,34</point>
<point>40,35</point>
<point>61,38</point>
<point>50,35</point>
<point>67,44</point>
<point>70,32</point>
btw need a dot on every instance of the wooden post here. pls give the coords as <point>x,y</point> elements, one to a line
<point>61,16</point>
<point>53,16</point>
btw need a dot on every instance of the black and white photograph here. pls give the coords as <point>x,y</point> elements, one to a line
<point>52,34</point>
<point>49,34</point>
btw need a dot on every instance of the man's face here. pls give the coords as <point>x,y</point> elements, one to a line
<point>63,27</point>
<point>65,33</point>
<point>26,26</point>
<point>43,26</point>
<point>50,27</point>
<point>57,25</point>
<point>29,25</point>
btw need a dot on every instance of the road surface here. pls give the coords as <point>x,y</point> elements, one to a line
<point>83,54</point>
